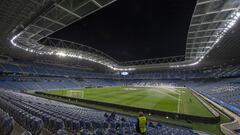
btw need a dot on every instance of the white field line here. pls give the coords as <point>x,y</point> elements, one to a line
<point>171,90</point>
<point>164,93</point>
<point>179,95</point>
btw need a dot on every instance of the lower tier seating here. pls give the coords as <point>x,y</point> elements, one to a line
<point>6,123</point>
<point>34,114</point>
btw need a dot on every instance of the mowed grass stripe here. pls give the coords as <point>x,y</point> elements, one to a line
<point>162,99</point>
<point>137,98</point>
<point>113,96</point>
<point>191,105</point>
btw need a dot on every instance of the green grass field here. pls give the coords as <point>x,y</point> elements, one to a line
<point>179,100</point>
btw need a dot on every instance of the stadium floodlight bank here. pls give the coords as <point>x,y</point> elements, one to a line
<point>30,41</point>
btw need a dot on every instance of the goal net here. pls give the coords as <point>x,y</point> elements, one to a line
<point>75,94</point>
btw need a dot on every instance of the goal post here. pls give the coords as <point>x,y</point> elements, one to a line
<point>75,94</point>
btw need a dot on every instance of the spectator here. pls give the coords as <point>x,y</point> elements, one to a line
<point>141,125</point>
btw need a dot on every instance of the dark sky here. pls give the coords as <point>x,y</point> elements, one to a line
<point>135,29</point>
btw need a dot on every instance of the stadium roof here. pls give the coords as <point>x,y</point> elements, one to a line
<point>210,22</point>
<point>129,30</point>
<point>25,22</point>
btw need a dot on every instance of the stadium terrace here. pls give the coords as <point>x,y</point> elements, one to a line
<point>54,86</point>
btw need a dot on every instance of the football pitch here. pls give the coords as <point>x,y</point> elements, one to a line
<point>178,100</point>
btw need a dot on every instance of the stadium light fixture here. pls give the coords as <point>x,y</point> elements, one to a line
<point>235,17</point>
<point>61,54</point>
<point>12,40</point>
<point>72,55</point>
<point>220,34</point>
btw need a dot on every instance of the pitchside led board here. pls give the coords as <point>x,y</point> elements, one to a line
<point>124,73</point>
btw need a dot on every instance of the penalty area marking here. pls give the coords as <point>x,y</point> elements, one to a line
<point>75,94</point>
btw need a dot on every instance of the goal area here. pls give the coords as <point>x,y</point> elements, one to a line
<point>75,94</point>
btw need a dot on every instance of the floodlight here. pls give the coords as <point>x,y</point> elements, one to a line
<point>61,54</point>
<point>124,73</point>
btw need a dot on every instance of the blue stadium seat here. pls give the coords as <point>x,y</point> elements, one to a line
<point>36,126</point>
<point>59,124</point>
<point>61,132</point>
<point>6,125</point>
<point>26,133</point>
<point>76,126</point>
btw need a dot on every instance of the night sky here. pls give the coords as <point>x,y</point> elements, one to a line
<point>135,29</point>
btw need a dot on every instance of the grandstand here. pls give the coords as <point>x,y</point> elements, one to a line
<point>55,86</point>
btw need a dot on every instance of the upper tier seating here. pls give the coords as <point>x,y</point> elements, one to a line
<point>47,83</point>
<point>53,70</point>
<point>12,68</point>
<point>50,70</point>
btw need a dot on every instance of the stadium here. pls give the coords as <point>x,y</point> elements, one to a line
<point>93,67</point>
